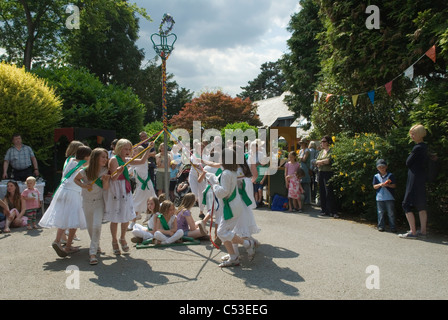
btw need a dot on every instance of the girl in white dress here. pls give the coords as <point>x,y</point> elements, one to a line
<point>144,188</point>
<point>118,199</point>
<point>65,210</point>
<point>165,224</point>
<point>225,188</point>
<point>94,179</point>
<point>193,178</point>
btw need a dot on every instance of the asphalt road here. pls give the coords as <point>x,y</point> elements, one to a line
<point>301,257</point>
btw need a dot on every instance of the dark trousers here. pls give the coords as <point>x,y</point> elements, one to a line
<point>327,201</point>
<point>21,175</point>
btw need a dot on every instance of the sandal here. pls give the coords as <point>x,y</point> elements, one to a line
<point>124,246</point>
<point>93,260</point>
<point>116,248</point>
<point>59,250</point>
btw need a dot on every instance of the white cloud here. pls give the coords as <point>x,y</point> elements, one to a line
<point>221,44</point>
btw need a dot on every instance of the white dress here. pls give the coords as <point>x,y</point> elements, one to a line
<point>141,195</point>
<point>119,206</point>
<point>246,225</point>
<point>65,210</point>
<point>223,188</point>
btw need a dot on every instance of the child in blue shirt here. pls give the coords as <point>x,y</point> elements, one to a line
<point>384,184</point>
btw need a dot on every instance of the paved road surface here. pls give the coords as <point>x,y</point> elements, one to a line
<point>302,256</point>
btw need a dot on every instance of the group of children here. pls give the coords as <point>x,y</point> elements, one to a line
<point>20,209</point>
<point>95,188</point>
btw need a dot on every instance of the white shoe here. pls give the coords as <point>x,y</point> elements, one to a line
<point>230,263</point>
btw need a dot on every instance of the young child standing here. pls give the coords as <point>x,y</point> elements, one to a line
<point>293,183</point>
<point>65,210</point>
<point>142,233</point>
<point>185,221</point>
<point>174,171</point>
<point>93,180</point>
<point>119,206</point>
<point>165,225</point>
<point>384,184</point>
<point>31,196</point>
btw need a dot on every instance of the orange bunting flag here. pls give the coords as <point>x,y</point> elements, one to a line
<point>328,97</point>
<point>388,87</point>
<point>431,53</point>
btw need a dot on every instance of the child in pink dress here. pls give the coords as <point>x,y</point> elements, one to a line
<point>31,196</point>
<point>293,173</point>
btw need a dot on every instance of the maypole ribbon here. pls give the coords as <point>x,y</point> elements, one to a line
<point>133,158</point>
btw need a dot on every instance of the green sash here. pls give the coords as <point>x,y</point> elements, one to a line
<point>67,161</point>
<point>69,174</point>
<point>244,194</point>
<point>121,163</point>
<point>144,182</point>
<point>227,210</point>
<point>163,222</point>
<point>98,182</point>
<point>204,194</point>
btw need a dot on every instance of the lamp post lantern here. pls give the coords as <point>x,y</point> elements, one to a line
<point>163,43</point>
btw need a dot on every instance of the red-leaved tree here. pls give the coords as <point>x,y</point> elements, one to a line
<point>216,110</point>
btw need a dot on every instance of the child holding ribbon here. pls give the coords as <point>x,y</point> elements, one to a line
<point>94,179</point>
<point>65,210</point>
<point>144,188</point>
<point>119,206</point>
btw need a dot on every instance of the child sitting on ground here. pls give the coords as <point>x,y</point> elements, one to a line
<point>142,233</point>
<point>186,222</point>
<point>165,225</point>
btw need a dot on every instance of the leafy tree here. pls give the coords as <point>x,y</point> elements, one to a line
<point>89,103</point>
<point>301,66</point>
<point>29,107</point>
<point>215,110</point>
<point>148,86</point>
<point>269,83</point>
<point>31,30</point>
<point>106,42</point>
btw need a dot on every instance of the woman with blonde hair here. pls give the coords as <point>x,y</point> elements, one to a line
<point>415,195</point>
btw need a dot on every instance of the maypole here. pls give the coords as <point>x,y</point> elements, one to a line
<point>163,49</point>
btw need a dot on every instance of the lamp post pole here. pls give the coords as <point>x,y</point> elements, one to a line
<point>163,49</point>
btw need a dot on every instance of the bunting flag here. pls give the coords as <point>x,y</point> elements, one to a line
<point>431,53</point>
<point>355,100</point>
<point>389,87</point>
<point>409,73</point>
<point>371,95</point>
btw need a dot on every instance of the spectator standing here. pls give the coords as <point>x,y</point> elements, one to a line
<point>22,160</point>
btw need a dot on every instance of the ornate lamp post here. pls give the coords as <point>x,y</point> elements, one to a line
<point>162,47</point>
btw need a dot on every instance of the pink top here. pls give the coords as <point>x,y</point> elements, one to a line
<point>31,197</point>
<point>291,168</point>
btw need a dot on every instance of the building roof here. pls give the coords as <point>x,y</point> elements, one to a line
<point>274,112</point>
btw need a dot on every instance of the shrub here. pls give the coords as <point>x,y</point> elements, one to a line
<point>354,160</point>
<point>29,107</point>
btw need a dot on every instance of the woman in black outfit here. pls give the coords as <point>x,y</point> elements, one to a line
<point>415,186</point>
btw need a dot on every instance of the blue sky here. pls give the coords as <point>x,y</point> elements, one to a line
<point>221,44</point>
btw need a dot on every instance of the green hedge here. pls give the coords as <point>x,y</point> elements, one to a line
<point>28,107</point>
